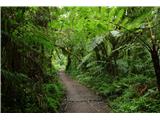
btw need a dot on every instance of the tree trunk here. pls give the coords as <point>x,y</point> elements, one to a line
<point>98,57</point>
<point>68,62</point>
<point>16,58</point>
<point>155,60</point>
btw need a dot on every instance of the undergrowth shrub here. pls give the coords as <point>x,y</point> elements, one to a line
<point>53,95</point>
<point>129,102</point>
<point>23,94</point>
<point>16,91</point>
<point>132,93</point>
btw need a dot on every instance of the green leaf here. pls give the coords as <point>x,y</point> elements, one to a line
<point>85,59</point>
<point>119,16</point>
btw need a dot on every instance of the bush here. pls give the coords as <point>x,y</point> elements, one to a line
<point>123,92</point>
<point>130,101</point>
<point>22,94</point>
<point>53,95</point>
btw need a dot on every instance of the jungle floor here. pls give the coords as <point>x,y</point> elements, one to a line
<point>80,99</point>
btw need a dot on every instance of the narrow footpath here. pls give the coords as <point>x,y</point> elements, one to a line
<point>80,99</point>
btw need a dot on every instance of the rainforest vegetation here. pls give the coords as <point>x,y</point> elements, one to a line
<point>115,51</point>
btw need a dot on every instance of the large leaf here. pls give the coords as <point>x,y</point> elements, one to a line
<point>119,16</point>
<point>85,59</point>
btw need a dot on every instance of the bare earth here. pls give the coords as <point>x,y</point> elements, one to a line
<point>80,99</point>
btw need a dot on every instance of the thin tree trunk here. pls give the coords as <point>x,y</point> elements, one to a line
<point>68,62</point>
<point>155,60</point>
<point>98,57</point>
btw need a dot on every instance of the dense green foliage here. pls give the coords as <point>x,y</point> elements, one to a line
<point>29,79</point>
<point>113,50</point>
<point>125,93</point>
<point>119,55</point>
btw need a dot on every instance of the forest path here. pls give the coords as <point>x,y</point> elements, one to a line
<point>80,99</point>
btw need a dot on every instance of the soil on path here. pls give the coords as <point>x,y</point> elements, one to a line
<point>80,99</point>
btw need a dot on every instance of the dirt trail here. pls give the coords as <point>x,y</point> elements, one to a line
<point>80,99</point>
